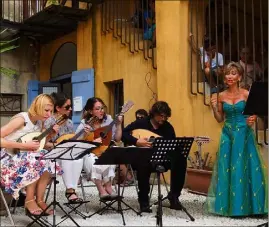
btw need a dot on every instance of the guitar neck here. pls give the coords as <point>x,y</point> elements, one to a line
<point>75,137</point>
<point>45,133</point>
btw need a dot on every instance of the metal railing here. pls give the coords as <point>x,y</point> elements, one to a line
<point>20,10</point>
<point>126,20</point>
<point>235,30</point>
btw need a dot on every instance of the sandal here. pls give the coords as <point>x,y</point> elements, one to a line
<point>127,183</point>
<point>36,212</point>
<point>74,200</point>
<point>45,207</point>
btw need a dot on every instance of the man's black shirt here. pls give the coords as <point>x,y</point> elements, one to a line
<point>166,130</point>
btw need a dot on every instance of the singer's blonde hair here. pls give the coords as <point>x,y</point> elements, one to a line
<point>39,103</point>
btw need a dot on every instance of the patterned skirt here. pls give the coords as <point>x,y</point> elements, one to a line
<point>23,169</point>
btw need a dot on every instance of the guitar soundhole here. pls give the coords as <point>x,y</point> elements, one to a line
<point>102,135</point>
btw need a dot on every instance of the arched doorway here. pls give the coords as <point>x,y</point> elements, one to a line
<point>62,66</point>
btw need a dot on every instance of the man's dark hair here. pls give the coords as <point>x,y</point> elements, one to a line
<point>209,43</point>
<point>160,107</point>
<point>141,112</point>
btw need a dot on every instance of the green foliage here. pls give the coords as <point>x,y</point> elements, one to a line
<point>4,47</point>
<point>8,72</point>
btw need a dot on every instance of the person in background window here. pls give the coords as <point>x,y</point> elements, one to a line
<point>239,181</point>
<point>249,67</point>
<point>150,23</point>
<point>212,63</point>
<point>140,114</point>
<point>23,169</point>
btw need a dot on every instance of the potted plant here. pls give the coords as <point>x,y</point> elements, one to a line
<point>200,171</point>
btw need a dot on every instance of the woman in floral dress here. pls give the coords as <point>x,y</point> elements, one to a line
<point>23,170</point>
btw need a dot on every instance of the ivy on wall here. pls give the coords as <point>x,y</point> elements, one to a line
<point>6,46</point>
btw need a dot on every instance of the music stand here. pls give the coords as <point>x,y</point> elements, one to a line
<point>163,148</point>
<point>118,156</point>
<point>257,102</point>
<point>66,150</point>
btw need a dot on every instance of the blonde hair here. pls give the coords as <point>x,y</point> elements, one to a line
<point>37,106</point>
<point>234,65</point>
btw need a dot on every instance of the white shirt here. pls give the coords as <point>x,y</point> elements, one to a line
<point>213,61</point>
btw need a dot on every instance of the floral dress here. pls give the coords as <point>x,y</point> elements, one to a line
<point>24,168</point>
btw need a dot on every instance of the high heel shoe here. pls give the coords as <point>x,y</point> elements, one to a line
<point>36,212</point>
<point>48,211</point>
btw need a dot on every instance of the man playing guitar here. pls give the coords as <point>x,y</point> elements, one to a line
<point>157,124</point>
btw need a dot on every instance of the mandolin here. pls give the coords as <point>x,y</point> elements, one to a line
<point>144,133</point>
<point>106,132</point>
<point>39,136</point>
<point>73,136</point>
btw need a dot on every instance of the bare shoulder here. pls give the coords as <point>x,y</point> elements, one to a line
<point>13,125</point>
<point>16,121</point>
<point>244,92</point>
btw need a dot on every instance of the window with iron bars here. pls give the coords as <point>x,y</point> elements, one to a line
<point>234,30</point>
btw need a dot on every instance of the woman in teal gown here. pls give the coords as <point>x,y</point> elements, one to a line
<point>239,180</point>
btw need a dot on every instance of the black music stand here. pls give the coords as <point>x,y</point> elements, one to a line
<point>257,102</point>
<point>66,150</point>
<point>164,149</point>
<point>117,156</point>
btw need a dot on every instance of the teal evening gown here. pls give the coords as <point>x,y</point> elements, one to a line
<point>239,180</point>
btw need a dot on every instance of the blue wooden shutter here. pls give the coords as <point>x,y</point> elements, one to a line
<point>82,85</point>
<point>32,91</point>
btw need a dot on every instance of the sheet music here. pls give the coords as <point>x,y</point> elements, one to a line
<point>70,150</point>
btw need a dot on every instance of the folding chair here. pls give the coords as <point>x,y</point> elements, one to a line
<point>7,208</point>
<point>129,167</point>
<point>72,206</point>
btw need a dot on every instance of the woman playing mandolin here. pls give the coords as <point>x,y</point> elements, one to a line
<point>72,169</point>
<point>21,169</point>
<point>101,175</point>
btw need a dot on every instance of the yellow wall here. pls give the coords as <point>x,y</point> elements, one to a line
<point>48,52</point>
<point>171,81</point>
<point>113,61</point>
<point>190,116</point>
<point>84,45</point>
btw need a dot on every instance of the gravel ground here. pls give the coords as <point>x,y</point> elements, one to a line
<point>193,203</point>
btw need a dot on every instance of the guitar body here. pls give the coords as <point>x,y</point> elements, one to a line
<point>98,133</point>
<point>99,150</point>
<point>89,137</point>
<point>144,133</point>
<point>31,136</point>
<point>105,141</point>
<point>65,137</point>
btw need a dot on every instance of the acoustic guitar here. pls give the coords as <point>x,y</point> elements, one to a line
<point>106,132</point>
<point>39,136</point>
<point>73,136</point>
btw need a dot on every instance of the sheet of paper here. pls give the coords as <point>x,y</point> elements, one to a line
<point>77,103</point>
